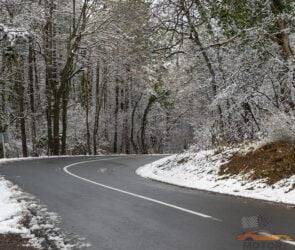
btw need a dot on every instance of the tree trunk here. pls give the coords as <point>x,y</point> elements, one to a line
<point>56,103</point>
<point>52,94</point>
<point>48,76</point>
<point>196,39</point>
<point>125,130</point>
<point>86,80</point>
<point>21,103</point>
<point>97,107</point>
<point>38,102</point>
<point>65,98</point>
<point>32,99</point>
<point>134,145</point>
<point>57,94</point>
<point>56,115</point>
<point>100,89</point>
<point>49,115</point>
<point>144,147</point>
<point>115,147</point>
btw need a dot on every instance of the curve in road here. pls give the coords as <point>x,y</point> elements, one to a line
<point>66,169</point>
<point>129,212</point>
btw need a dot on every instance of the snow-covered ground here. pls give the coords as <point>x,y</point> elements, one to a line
<point>11,211</point>
<point>22,214</point>
<point>200,171</point>
<point>8,160</point>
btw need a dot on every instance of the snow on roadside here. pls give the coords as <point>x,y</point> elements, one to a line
<point>9,160</point>
<point>200,171</point>
<point>11,211</point>
<point>22,214</point>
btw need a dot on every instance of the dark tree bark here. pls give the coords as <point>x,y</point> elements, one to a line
<point>97,107</point>
<point>32,98</point>
<point>47,57</point>
<point>134,145</point>
<point>152,100</point>
<point>115,146</point>
<point>100,89</point>
<point>86,84</point>
<point>21,102</point>
<point>125,130</point>
<point>52,110</point>
<point>67,71</point>
<point>38,101</point>
<point>65,100</point>
<point>56,99</point>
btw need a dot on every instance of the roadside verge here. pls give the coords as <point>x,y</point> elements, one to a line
<point>204,170</point>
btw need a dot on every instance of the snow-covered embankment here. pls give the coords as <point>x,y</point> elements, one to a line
<point>201,171</point>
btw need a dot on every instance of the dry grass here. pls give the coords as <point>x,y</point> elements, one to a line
<point>273,162</point>
<point>13,242</point>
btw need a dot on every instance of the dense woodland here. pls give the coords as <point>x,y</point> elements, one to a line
<point>143,76</point>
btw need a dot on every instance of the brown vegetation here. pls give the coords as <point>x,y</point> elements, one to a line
<point>14,242</point>
<point>273,162</point>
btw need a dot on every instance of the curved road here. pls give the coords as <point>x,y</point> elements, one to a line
<point>103,200</point>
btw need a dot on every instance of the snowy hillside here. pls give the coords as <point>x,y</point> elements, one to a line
<point>202,171</point>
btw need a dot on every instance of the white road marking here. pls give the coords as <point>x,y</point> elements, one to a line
<point>66,169</point>
<point>289,242</point>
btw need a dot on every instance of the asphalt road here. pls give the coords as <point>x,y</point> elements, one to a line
<point>103,200</point>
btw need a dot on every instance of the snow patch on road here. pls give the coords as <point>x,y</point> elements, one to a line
<point>200,171</point>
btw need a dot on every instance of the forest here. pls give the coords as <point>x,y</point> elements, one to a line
<point>144,76</point>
